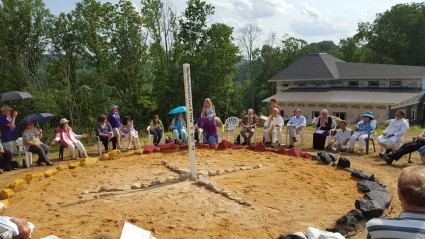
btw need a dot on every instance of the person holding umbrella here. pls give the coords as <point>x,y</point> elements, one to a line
<point>32,141</point>
<point>178,127</point>
<point>115,121</point>
<point>8,128</point>
<point>66,137</point>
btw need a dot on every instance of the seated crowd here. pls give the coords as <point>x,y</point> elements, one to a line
<point>110,129</point>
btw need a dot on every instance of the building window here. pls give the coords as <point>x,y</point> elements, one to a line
<point>302,84</point>
<point>413,114</point>
<point>319,83</point>
<point>353,84</point>
<point>282,113</point>
<point>374,83</point>
<point>340,115</point>
<point>315,114</point>
<point>395,84</point>
<point>285,85</point>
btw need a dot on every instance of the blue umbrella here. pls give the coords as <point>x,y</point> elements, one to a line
<point>178,110</point>
<point>37,118</point>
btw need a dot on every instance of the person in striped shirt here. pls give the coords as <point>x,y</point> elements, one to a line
<point>411,222</point>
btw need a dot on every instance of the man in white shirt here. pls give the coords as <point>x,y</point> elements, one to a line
<point>410,223</point>
<point>340,141</point>
<point>294,127</point>
<point>273,127</point>
<point>394,132</point>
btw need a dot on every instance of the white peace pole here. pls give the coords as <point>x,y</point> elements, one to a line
<point>190,120</point>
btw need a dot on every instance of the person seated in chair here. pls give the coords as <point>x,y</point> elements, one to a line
<point>5,159</point>
<point>362,131</point>
<point>324,125</point>
<point>127,129</point>
<point>340,140</point>
<point>199,129</point>
<point>66,137</point>
<point>32,141</point>
<point>406,148</point>
<point>104,131</point>
<point>410,224</point>
<point>422,153</point>
<point>394,132</point>
<point>249,122</point>
<point>294,127</point>
<point>273,127</point>
<point>156,129</point>
<point>178,127</point>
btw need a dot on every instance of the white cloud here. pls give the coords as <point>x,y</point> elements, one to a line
<point>312,20</point>
<point>314,23</point>
<point>250,10</point>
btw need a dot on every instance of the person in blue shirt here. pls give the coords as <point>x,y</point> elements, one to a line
<point>362,130</point>
<point>178,127</point>
<point>8,129</point>
<point>295,126</point>
<point>115,122</point>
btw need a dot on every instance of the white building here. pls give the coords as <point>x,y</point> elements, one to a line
<point>347,90</point>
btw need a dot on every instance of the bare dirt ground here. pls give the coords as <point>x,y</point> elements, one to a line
<point>287,194</point>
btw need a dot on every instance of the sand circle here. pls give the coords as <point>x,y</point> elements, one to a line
<point>287,194</point>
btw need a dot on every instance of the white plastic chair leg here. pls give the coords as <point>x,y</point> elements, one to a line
<point>28,158</point>
<point>99,147</point>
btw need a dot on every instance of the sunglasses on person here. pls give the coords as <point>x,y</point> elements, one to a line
<point>30,124</point>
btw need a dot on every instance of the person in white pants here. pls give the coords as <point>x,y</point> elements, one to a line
<point>68,138</point>
<point>394,132</point>
<point>273,127</point>
<point>363,127</point>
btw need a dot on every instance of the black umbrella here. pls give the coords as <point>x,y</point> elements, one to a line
<point>14,95</point>
<point>37,118</point>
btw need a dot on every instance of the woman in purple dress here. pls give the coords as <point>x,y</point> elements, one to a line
<point>209,125</point>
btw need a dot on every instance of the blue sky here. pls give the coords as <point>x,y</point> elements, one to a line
<point>312,20</point>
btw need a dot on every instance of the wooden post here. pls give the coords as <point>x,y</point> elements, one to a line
<point>190,119</point>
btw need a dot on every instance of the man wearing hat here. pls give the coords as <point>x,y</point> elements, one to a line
<point>115,122</point>
<point>8,128</point>
<point>362,130</point>
<point>394,133</point>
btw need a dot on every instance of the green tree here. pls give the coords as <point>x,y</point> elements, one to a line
<point>221,56</point>
<point>324,46</point>
<point>161,23</point>
<point>22,43</point>
<point>396,36</point>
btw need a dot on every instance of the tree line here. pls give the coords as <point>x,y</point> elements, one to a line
<point>77,64</point>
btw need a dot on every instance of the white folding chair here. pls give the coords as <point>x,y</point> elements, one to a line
<point>253,139</point>
<point>332,131</point>
<point>100,144</point>
<point>200,135</point>
<point>126,138</point>
<point>21,150</point>
<point>297,132</point>
<point>150,137</point>
<point>231,123</point>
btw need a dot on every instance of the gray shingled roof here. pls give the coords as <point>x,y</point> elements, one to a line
<point>411,101</point>
<point>322,66</point>
<point>330,95</point>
